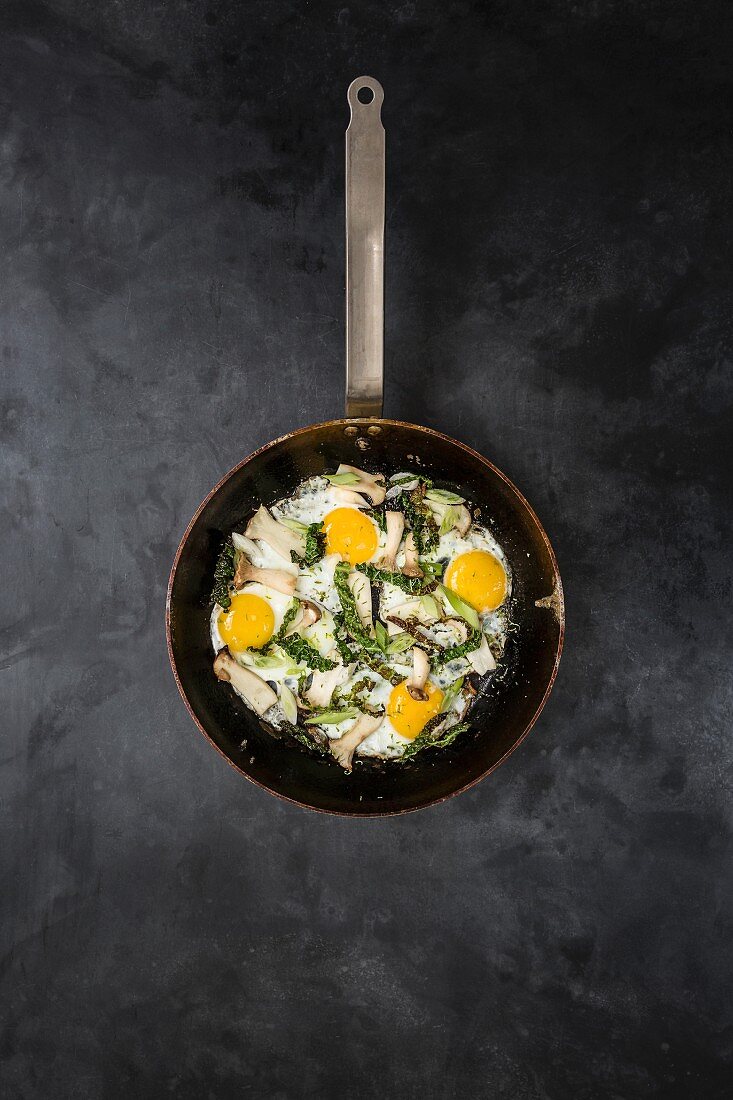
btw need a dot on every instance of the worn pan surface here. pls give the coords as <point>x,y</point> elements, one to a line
<point>507,710</point>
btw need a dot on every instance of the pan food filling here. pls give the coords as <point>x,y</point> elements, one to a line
<point>361,615</point>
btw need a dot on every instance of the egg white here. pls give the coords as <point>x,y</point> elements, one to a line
<point>311,503</point>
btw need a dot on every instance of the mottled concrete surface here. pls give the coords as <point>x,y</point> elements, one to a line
<point>559,296</point>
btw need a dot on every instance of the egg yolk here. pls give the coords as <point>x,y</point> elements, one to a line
<point>409,716</point>
<point>478,578</point>
<point>350,534</point>
<point>248,624</point>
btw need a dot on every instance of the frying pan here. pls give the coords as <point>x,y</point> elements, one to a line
<point>508,707</point>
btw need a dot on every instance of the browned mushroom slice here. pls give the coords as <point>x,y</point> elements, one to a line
<point>419,632</point>
<point>419,675</point>
<point>411,568</point>
<point>252,689</point>
<point>310,614</point>
<point>282,540</point>
<point>343,748</point>
<point>278,579</point>
<point>307,615</point>
<point>367,484</point>
<point>395,527</point>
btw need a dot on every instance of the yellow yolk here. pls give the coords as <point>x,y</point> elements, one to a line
<point>350,534</point>
<point>408,716</point>
<point>248,624</point>
<point>478,578</point>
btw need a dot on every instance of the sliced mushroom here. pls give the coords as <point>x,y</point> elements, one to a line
<point>282,540</point>
<point>324,684</point>
<point>395,527</point>
<point>308,614</point>
<point>367,484</point>
<point>349,496</point>
<point>278,579</point>
<point>246,683</point>
<point>411,568</point>
<point>247,546</point>
<point>362,590</point>
<point>461,515</point>
<point>343,748</point>
<point>463,523</point>
<point>419,675</point>
<point>311,613</point>
<point>482,659</point>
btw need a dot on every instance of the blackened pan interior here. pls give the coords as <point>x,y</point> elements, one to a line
<point>500,719</point>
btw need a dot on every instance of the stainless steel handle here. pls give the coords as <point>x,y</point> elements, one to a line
<point>365,250</point>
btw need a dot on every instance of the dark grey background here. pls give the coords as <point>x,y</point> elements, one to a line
<point>559,297</point>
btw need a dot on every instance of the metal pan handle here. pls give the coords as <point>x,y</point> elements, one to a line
<point>365,249</point>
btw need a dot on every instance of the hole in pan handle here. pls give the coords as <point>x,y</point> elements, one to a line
<point>365,249</point>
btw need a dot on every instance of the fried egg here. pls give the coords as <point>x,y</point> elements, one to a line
<point>248,623</point>
<point>254,615</point>
<point>479,578</point>
<point>476,568</point>
<point>409,716</point>
<point>351,534</point>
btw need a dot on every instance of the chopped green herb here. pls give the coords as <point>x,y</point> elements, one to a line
<point>224,575</point>
<point>315,546</point>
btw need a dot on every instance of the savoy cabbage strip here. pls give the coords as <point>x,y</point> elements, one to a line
<point>315,546</point>
<point>224,575</point>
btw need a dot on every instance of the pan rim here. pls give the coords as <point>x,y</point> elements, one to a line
<point>558,590</point>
